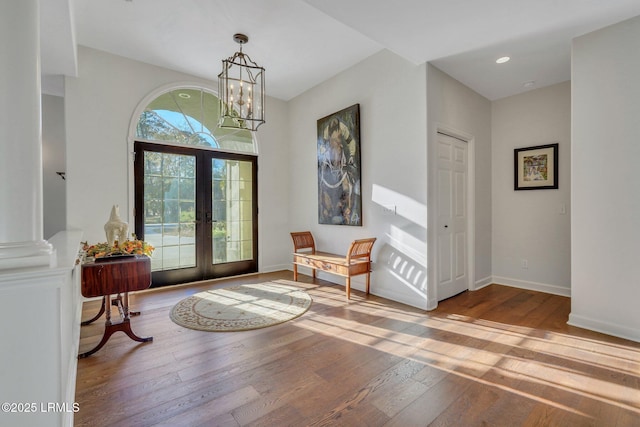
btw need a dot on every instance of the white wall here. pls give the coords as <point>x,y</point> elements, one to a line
<point>392,97</point>
<point>454,107</point>
<point>53,160</point>
<point>273,189</point>
<point>391,93</point>
<point>395,97</point>
<point>606,196</point>
<point>99,105</point>
<point>528,225</point>
<point>40,336</point>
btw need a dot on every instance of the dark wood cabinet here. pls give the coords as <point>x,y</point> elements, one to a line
<point>114,276</point>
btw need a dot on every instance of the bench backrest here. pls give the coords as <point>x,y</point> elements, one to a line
<point>361,248</point>
<point>303,240</point>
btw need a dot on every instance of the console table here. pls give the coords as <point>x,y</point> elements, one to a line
<point>115,277</point>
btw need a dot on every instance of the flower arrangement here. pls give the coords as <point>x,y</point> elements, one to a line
<point>128,247</point>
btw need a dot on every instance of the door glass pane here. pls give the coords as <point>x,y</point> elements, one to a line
<point>232,209</point>
<point>169,204</point>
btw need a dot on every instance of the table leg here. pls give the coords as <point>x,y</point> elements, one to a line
<point>97,316</point>
<point>119,299</point>
<point>107,307</point>
<point>110,328</point>
<point>126,305</point>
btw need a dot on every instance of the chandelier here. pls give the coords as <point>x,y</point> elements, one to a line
<point>241,90</point>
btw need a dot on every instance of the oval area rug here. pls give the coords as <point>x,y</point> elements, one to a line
<point>241,308</point>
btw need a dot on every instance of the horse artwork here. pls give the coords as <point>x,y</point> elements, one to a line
<point>115,228</point>
<point>339,195</point>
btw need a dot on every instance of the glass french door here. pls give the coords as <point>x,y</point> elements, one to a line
<point>198,208</point>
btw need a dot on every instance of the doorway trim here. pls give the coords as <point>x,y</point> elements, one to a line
<point>131,139</point>
<point>205,266</point>
<point>469,139</point>
<point>131,134</point>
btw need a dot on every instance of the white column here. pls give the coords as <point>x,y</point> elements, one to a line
<point>21,222</point>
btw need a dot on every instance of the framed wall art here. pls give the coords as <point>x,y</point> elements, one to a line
<point>339,195</point>
<point>536,168</point>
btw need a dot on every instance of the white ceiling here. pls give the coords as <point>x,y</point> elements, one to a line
<point>304,42</point>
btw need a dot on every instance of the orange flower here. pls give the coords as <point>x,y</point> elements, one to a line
<point>136,247</point>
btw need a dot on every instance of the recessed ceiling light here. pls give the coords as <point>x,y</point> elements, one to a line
<point>184,95</point>
<point>502,60</point>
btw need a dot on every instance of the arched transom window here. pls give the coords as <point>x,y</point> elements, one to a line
<point>189,116</point>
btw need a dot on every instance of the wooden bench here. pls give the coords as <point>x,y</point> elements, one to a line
<point>357,260</point>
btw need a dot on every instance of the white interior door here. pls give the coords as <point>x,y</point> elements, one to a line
<point>452,217</point>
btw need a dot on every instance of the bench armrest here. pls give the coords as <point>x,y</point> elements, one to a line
<point>303,240</point>
<point>361,248</point>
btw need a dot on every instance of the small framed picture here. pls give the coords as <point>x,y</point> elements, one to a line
<point>536,168</point>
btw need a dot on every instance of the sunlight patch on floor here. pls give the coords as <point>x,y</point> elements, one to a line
<point>511,352</point>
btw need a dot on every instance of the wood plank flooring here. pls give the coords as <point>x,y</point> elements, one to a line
<point>499,356</point>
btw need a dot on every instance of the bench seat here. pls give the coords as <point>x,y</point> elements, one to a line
<point>357,261</point>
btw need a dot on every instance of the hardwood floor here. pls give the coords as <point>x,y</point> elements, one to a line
<point>499,356</point>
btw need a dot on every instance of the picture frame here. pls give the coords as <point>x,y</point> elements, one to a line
<point>339,168</point>
<point>536,168</point>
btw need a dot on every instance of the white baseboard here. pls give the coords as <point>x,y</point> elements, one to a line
<point>407,299</point>
<point>533,286</point>
<point>482,283</point>
<point>277,267</point>
<point>604,327</point>
<point>358,283</point>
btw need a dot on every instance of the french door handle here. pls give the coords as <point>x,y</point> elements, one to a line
<point>208,217</point>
